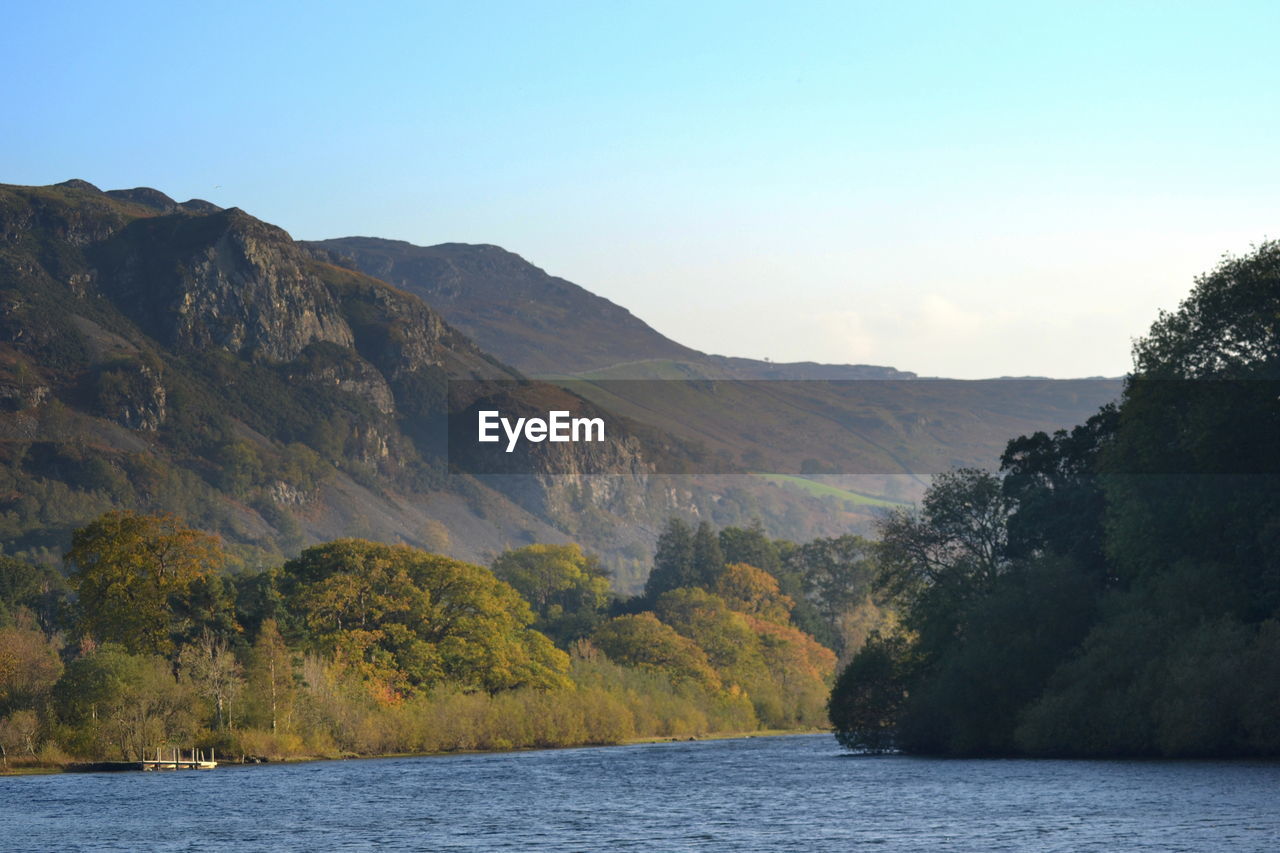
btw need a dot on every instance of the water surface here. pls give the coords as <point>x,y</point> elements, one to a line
<point>777,793</point>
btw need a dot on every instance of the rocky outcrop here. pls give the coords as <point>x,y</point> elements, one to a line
<point>221,281</point>
<point>342,369</point>
<point>132,395</point>
<point>20,396</point>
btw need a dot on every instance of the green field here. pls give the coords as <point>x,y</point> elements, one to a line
<point>822,490</point>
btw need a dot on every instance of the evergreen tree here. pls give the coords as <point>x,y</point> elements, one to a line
<point>673,560</point>
<point>708,560</point>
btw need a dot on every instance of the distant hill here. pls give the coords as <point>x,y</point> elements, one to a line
<point>535,321</point>
<point>545,325</point>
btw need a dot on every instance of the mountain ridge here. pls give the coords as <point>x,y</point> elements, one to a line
<point>562,328</point>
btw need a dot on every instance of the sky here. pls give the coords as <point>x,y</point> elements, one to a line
<point>959,189</point>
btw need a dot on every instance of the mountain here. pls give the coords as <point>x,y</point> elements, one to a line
<point>546,325</point>
<point>535,321</point>
<point>808,418</point>
<point>179,357</point>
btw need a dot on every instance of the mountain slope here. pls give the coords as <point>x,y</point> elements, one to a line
<point>546,325</point>
<point>178,357</point>
<point>536,321</point>
<point>184,358</point>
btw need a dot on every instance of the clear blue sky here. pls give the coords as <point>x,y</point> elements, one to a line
<point>963,189</point>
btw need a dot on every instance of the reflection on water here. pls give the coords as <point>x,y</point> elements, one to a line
<point>787,793</point>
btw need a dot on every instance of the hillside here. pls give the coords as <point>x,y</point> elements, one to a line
<point>185,358</point>
<point>543,324</point>
<point>179,357</point>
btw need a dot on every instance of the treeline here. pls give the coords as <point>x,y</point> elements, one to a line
<point>1116,590</point>
<point>355,647</point>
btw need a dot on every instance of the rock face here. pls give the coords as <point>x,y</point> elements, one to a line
<point>133,396</point>
<point>223,280</point>
<point>349,374</point>
<point>20,396</point>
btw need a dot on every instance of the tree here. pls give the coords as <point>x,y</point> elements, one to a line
<point>1228,328</point>
<point>18,733</point>
<point>270,680</point>
<point>750,590</point>
<point>122,704</point>
<point>835,578</point>
<point>39,589</point>
<point>211,669</point>
<point>409,620</point>
<point>566,588</point>
<point>752,546</point>
<point>129,571</point>
<point>867,699</point>
<point>672,561</point>
<point>1056,485</point>
<point>643,641</point>
<point>936,564</point>
<point>708,561</point>
<point>934,560</point>
<point>29,665</point>
<point>726,638</point>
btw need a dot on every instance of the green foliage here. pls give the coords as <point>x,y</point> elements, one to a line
<point>413,620</point>
<point>364,648</point>
<point>36,589</point>
<point>867,698</point>
<point>1117,594</point>
<point>1226,329</point>
<point>644,642</point>
<point>112,703</point>
<point>567,589</point>
<point>829,579</point>
<point>673,561</point>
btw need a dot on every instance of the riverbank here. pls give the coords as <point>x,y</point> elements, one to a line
<point>36,766</point>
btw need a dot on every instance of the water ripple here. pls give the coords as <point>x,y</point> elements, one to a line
<point>775,794</point>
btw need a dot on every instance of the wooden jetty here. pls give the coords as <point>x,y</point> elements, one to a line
<point>175,760</point>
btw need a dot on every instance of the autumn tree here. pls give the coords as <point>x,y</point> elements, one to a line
<point>130,571</point>
<point>29,664</point>
<point>643,641</point>
<point>270,681</point>
<point>412,619</point>
<point>750,590</point>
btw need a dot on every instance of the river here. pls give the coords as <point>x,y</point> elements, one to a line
<point>755,794</point>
